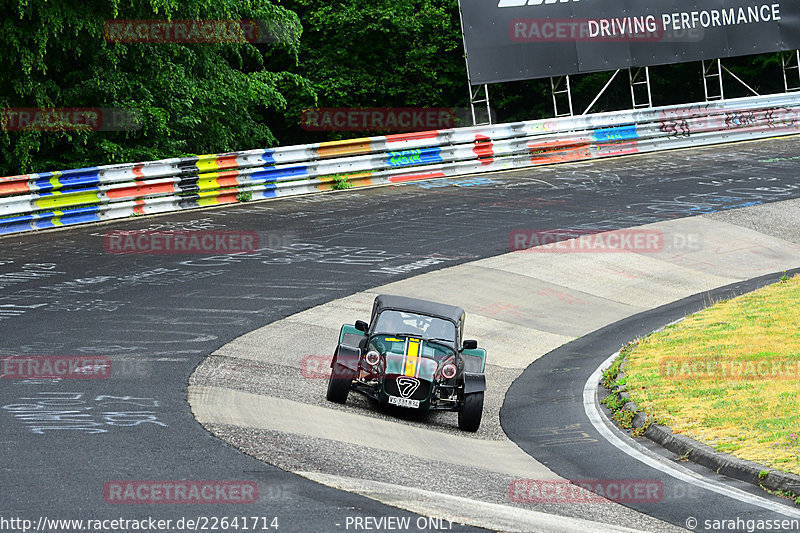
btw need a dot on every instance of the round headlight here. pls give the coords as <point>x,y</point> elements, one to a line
<point>449,371</point>
<point>372,358</point>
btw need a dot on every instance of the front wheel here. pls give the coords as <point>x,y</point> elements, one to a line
<point>339,383</point>
<point>469,417</point>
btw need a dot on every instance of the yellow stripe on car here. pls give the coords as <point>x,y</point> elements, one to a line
<point>412,357</point>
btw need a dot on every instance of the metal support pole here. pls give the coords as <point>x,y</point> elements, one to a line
<point>636,81</point>
<point>603,90</point>
<point>556,90</point>
<point>709,73</point>
<point>737,78</point>
<point>791,61</point>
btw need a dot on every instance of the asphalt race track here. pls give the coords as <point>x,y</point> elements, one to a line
<point>569,368</point>
<point>158,316</point>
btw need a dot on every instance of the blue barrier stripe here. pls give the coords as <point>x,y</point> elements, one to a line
<point>45,215</point>
<point>268,157</point>
<point>80,218</point>
<point>272,193</point>
<point>15,228</point>
<point>620,133</point>
<point>44,224</point>
<point>414,157</point>
<point>273,174</point>
<point>58,192</point>
<point>68,178</point>
<point>66,219</point>
<point>80,179</point>
<point>17,219</point>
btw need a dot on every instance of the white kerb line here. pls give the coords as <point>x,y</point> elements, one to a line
<point>597,420</point>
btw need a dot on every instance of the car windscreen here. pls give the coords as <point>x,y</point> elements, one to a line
<point>414,324</point>
<point>389,344</point>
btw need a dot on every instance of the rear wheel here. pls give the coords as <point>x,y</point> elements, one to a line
<point>339,383</point>
<point>469,418</point>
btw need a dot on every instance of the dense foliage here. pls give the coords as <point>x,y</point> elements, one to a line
<point>193,98</point>
<point>204,98</point>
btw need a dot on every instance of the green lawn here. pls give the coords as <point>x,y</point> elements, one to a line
<point>729,376</point>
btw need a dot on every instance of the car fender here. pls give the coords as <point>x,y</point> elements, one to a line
<point>474,382</point>
<point>347,357</point>
<point>479,357</point>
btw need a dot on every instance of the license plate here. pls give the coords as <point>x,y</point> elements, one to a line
<point>404,402</point>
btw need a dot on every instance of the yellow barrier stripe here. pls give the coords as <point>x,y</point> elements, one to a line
<point>66,199</point>
<point>207,164</point>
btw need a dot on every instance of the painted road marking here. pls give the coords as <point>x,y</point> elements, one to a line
<point>654,461</point>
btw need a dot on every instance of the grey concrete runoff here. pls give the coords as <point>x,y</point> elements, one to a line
<point>520,306</point>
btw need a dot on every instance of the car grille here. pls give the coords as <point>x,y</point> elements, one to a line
<point>422,392</point>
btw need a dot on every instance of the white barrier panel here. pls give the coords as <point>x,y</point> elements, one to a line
<point>52,199</point>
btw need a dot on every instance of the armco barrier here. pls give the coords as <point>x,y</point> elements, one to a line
<point>52,199</point>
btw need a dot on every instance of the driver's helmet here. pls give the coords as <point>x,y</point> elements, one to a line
<point>437,330</point>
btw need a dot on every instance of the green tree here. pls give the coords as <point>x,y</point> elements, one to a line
<point>366,53</point>
<point>192,98</point>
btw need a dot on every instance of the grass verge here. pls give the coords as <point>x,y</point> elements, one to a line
<point>728,376</point>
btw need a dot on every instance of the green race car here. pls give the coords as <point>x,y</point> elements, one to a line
<point>411,355</point>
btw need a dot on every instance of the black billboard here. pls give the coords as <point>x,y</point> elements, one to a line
<point>509,40</point>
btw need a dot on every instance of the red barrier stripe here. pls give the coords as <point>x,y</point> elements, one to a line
<point>227,162</point>
<point>14,187</point>
<point>412,136</point>
<point>141,188</point>
<point>562,156</point>
<point>228,179</point>
<point>397,179</point>
<point>484,149</point>
<point>559,145</point>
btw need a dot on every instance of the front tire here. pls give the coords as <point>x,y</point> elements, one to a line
<point>469,417</point>
<point>339,383</point>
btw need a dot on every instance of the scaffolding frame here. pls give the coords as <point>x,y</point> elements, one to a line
<point>714,70</point>
<point>638,79</point>
<point>640,87</point>
<point>476,99</point>
<point>635,81</point>
<point>791,61</point>
<point>561,86</point>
